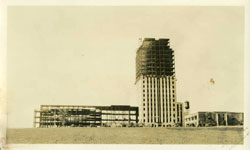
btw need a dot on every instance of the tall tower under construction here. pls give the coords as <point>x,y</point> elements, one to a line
<point>156,84</point>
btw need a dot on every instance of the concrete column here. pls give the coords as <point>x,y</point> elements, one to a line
<point>172,103</point>
<point>156,101</point>
<point>217,119</point>
<point>165,99</point>
<point>161,100</point>
<point>146,101</point>
<point>149,99</point>
<point>168,110</point>
<point>225,117</point>
<point>153,100</point>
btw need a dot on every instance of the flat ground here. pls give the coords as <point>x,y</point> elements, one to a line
<point>212,135</point>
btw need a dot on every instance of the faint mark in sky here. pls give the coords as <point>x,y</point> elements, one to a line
<point>212,81</point>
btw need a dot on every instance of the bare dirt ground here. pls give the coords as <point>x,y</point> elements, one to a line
<point>212,135</point>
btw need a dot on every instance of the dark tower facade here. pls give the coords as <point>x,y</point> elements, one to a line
<point>156,84</point>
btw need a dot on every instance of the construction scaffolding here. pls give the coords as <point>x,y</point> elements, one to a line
<point>155,58</point>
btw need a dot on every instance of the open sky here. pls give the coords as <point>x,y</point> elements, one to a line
<point>85,55</point>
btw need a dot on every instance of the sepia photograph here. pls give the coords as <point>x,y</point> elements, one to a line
<point>125,75</point>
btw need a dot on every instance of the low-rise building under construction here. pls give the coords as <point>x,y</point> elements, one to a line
<point>81,116</point>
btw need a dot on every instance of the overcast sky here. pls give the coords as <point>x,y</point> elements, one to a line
<point>86,55</point>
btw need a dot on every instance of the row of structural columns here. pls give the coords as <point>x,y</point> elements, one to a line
<point>217,118</point>
<point>39,122</point>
